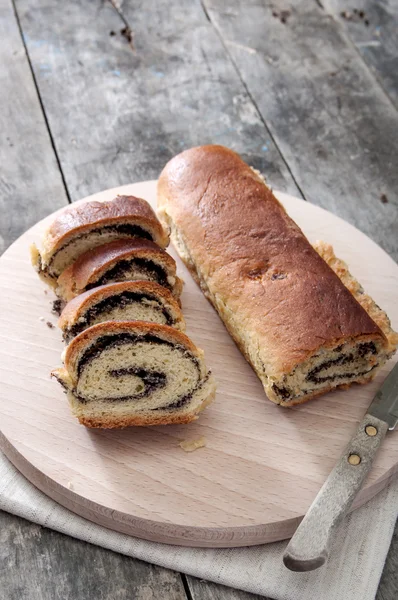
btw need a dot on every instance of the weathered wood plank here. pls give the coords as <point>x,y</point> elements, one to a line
<point>205,590</point>
<point>331,121</point>
<point>40,564</point>
<point>373,28</point>
<point>118,114</point>
<point>30,182</point>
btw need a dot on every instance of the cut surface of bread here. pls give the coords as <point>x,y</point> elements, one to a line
<point>125,301</point>
<point>133,373</point>
<point>84,226</point>
<point>121,260</point>
<point>292,314</point>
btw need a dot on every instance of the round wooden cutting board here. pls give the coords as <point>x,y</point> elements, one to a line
<point>262,465</point>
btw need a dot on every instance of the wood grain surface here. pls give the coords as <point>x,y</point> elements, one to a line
<point>80,570</point>
<point>374,34</point>
<point>262,465</point>
<point>173,91</point>
<point>205,590</point>
<point>25,148</point>
<point>346,125</point>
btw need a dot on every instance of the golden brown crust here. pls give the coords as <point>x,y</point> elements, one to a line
<point>254,262</point>
<point>116,422</point>
<point>91,265</point>
<point>378,315</point>
<point>110,422</point>
<point>88,337</point>
<point>77,307</point>
<point>80,218</point>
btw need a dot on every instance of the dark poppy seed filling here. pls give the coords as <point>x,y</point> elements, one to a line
<point>123,267</point>
<point>118,339</point>
<point>366,348</point>
<point>58,305</point>
<point>360,352</point>
<point>152,380</point>
<point>282,392</point>
<point>185,399</point>
<point>118,301</point>
<point>126,229</point>
<point>346,375</point>
<point>315,375</point>
<point>342,360</point>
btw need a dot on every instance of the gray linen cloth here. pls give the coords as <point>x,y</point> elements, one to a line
<point>352,572</point>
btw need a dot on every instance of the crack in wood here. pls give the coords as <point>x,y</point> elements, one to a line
<point>243,82</point>
<point>380,64</point>
<point>126,31</point>
<point>372,72</point>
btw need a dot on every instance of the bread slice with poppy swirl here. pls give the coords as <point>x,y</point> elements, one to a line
<point>121,260</point>
<point>86,225</point>
<point>126,373</point>
<point>123,301</point>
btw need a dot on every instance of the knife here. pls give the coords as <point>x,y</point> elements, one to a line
<point>309,547</point>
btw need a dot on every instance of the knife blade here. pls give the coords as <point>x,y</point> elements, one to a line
<point>385,403</point>
<point>309,547</point>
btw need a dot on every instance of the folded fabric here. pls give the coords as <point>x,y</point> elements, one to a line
<point>352,572</point>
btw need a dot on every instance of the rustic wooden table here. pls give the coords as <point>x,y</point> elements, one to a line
<point>97,94</point>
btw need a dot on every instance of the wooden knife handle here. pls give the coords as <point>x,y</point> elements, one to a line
<point>309,547</point>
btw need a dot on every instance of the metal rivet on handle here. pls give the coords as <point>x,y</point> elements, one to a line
<point>370,430</point>
<point>354,459</point>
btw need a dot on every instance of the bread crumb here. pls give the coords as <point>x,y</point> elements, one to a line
<point>57,306</point>
<point>129,35</point>
<point>259,175</point>
<point>50,325</point>
<point>191,445</point>
<point>356,16</point>
<point>70,485</point>
<point>346,15</point>
<point>41,319</point>
<point>282,16</point>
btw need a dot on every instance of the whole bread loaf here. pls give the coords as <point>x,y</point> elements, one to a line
<point>296,322</point>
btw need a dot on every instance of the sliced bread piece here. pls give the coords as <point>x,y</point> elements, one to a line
<point>133,373</point>
<point>124,301</point>
<point>85,225</point>
<point>121,260</point>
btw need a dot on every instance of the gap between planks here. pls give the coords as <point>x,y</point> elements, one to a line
<point>374,74</point>
<point>246,88</point>
<point>40,101</point>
